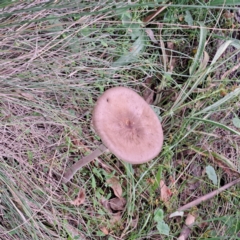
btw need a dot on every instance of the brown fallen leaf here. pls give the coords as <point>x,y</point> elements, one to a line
<point>148,93</point>
<point>165,192</point>
<point>114,207</point>
<point>80,199</point>
<point>190,220</point>
<point>114,204</point>
<point>116,186</point>
<point>117,204</point>
<point>172,59</point>
<point>151,35</point>
<point>104,230</point>
<point>105,204</point>
<point>76,141</point>
<point>134,222</point>
<point>116,217</point>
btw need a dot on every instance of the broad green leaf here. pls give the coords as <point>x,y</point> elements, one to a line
<point>111,238</point>
<point>232,223</point>
<point>135,30</point>
<point>104,43</point>
<point>163,228</point>
<point>211,174</point>
<point>65,188</point>
<point>126,18</point>
<point>132,55</point>
<point>100,234</point>
<point>158,215</point>
<point>236,44</point>
<point>224,2</point>
<point>188,18</point>
<point>93,182</point>
<point>236,122</point>
<point>157,178</point>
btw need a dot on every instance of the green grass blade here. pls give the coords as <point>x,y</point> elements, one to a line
<point>221,50</point>
<point>217,124</point>
<point>132,55</point>
<point>224,2</point>
<point>216,105</point>
<point>200,50</point>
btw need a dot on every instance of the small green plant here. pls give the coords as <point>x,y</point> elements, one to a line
<point>162,227</point>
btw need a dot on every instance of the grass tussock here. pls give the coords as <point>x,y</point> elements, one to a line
<point>58,57</point>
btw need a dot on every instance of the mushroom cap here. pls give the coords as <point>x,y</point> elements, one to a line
<point>127,125</point>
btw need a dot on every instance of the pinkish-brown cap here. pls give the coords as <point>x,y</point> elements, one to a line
<point>127,125</point>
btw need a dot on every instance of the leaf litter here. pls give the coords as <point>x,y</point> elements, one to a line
<point>166,193</point>
<point>115,205</point>
<point>116,186</point>
<point>80,199</point>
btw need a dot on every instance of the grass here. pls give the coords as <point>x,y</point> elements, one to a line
<point>58,57</point>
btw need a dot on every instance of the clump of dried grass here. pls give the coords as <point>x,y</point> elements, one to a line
<point>54,63</point>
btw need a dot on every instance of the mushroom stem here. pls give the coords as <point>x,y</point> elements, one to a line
<point>82,162</point>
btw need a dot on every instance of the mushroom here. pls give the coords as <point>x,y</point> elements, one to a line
<point>128,127</point>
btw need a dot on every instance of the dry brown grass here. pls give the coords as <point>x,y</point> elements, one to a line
<point>56,58</point>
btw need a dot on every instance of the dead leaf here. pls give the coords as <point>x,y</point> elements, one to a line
<point>165,192</point>
<point>151,35</point>
<point>176,214</point>
<point>116,217</point>
<point>104,230</point>
<point>117,204</point>
<point>80,199</point>
<point>134,222</point>
<point>105,204</point>
<point>204,61</point>
<point>170,45</point>
<point>150,181</point>
<point>149,97</point>
<point>180,18</point>
<point>75,233</point>
<point>116,186</point>
<point>228,15</point>
<point>172,60</point>
<point>148,93</point>
<point>190,220</point>
<point>77,142</point>
<point>172,180</point>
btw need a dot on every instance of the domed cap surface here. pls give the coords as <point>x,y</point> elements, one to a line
<point>127,125</point>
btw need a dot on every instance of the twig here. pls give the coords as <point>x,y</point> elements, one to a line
<point>208,196</point>
<point>147,19</point>
<point>187,227</point>
<point>184,233</point>
<point>82,162</point>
